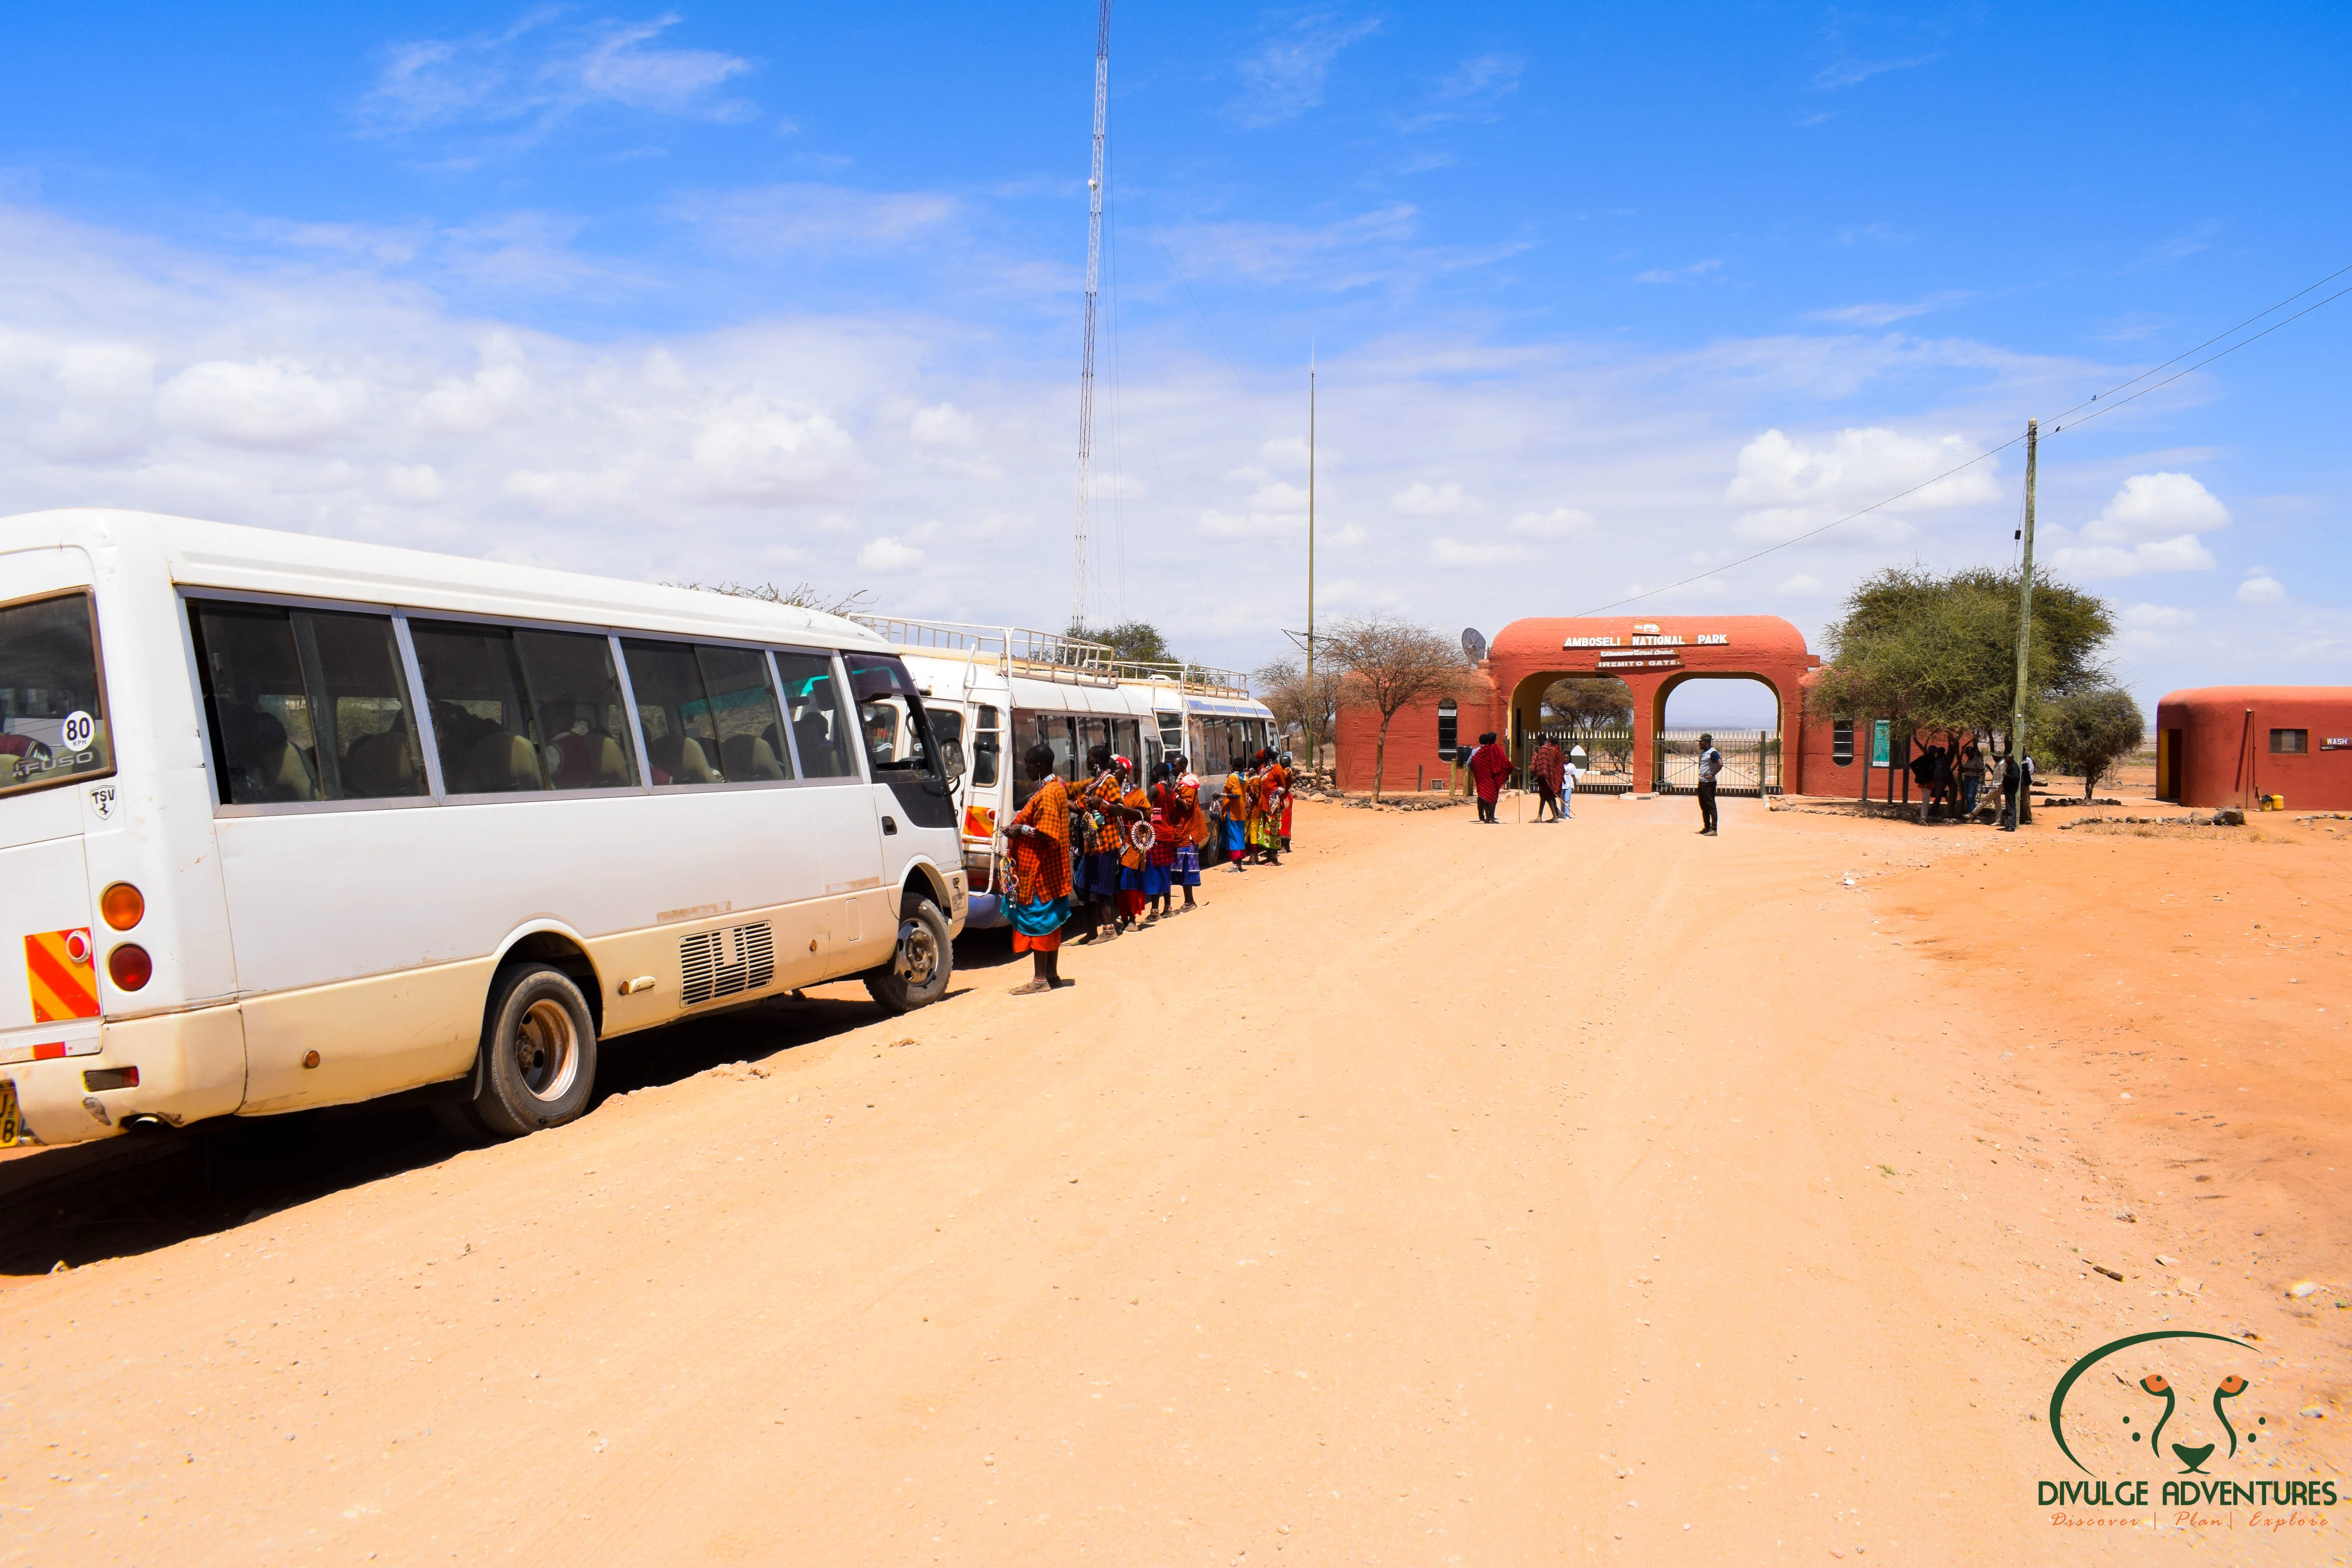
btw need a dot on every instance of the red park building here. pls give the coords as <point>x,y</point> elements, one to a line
<point>2231,746</point>
<point>1653,657</point>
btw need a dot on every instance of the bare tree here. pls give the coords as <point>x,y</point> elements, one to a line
<point>1387,664</point>
<point>799,596</point>
<point>1281,685</point>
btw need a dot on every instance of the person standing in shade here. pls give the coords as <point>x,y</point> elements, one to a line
<point>2012,775</point>
<point>1973,778</point>
<point>1489,766</point>
<point>1546,768</point>
<point>1710,768</point>
<point>1040,835</point>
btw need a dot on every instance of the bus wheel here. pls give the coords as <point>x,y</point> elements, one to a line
<point>920,965</point>
<point>538,1053</point>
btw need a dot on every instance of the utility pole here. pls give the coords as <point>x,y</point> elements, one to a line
<point>1094,278</point>
<point>1314,757</point>
<point>2024,626</point>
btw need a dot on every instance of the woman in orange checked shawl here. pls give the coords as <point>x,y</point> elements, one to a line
<point>1040,836</point>
<point>1236,803</point>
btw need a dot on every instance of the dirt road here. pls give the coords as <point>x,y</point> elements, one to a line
<point>1596,1192</point>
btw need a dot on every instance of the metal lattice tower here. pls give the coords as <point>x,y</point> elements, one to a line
<point>1094,279</point>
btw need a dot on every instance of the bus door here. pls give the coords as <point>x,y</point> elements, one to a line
<point>840,818</point>
<point>910,763</point>
<point>57,764</point>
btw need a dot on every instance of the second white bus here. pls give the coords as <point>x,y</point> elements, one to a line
<point>1001,689</point>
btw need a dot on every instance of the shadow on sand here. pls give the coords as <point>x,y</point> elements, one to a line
<point>81,1202</point>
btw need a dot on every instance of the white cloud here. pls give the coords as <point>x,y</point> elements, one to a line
<point>2261,591</point>
<point>1446,552</point>
<point>2150,525</point>
<point>2157,506</point>
<point>1795,487</point>
<point>1284,76</point>
<point>489,396</point>
<point>1804,585</point>
<point>1679,274</point>
<point>413,484</point>
<point>888,555</point>
<point>1560,523</point>
<point>1471,91</point>
<point>1421,500</point>
<point>1881,315</point>
<point>786,440</point>
<point>266,404</point>
<point>754,452</point>
<point>536,73</point>
<point>2157,617</point>
<point>944,425</point>
<point>767,220</point>
<point>574,492</point>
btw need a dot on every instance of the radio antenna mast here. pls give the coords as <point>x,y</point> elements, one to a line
<point>1086,360</point>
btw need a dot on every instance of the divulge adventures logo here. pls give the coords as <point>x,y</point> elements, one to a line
<point>2151,1430</point>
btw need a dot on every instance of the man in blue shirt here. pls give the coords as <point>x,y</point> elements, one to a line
<point>1710,767</point>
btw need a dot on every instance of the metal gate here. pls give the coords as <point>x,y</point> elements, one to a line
<point>1751,762</point>
<point>1607,764</point>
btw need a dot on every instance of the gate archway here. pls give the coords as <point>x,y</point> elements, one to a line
<point>1654,658</point>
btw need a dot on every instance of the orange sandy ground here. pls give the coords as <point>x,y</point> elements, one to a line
<point>1582,1193</point>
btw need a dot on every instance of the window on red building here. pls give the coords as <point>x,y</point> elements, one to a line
<point>2290,743</point>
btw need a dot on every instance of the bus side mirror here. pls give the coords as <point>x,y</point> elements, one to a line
<point>952,761</point>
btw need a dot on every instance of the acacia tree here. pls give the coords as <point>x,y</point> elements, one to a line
<point>1590,703</point>
<point>2085,732</point>
<point>1386,663</point>
<point>800,595</point>
<point>1939,651</point>
<point>1281,685</point>
<point>1140,641</point>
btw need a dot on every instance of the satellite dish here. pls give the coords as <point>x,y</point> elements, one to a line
<point>1473,644</point>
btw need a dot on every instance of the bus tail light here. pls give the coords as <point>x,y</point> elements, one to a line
<point>109,1077</point>
<point>130,967</point>
<point>123,905</point>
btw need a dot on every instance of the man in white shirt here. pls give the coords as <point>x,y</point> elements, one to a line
<point>1710,767</point>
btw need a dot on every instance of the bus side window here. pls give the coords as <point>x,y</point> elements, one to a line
<point>366,727</point>
<point>305,705</point>
<point>820,732</point>
<point>986,747</point>
<point>482,723</point>
<point>254,703</point>
<point>743,716</point>
<point>575,695</point>
<point>681,741</point>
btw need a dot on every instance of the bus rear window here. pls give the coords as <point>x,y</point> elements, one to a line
<point>52,704</point>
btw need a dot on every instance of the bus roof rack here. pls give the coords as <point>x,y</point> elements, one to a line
<point>1050,655</point>
<point>1196,680</point>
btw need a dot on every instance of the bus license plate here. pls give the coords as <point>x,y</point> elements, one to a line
<point>12,1125</point>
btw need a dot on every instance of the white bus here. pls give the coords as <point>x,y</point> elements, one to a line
<point>289,821</point>
<point>1002,689</point>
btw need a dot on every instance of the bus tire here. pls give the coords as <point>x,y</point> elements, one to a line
<point>538,1062</point>
<point>922,959</point>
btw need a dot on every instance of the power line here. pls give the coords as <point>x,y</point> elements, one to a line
<point>2201,364</point>
<point>2208,343</point>
<point>2054,429</point>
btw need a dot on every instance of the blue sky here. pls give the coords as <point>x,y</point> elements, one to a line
<point>1602,296</point>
